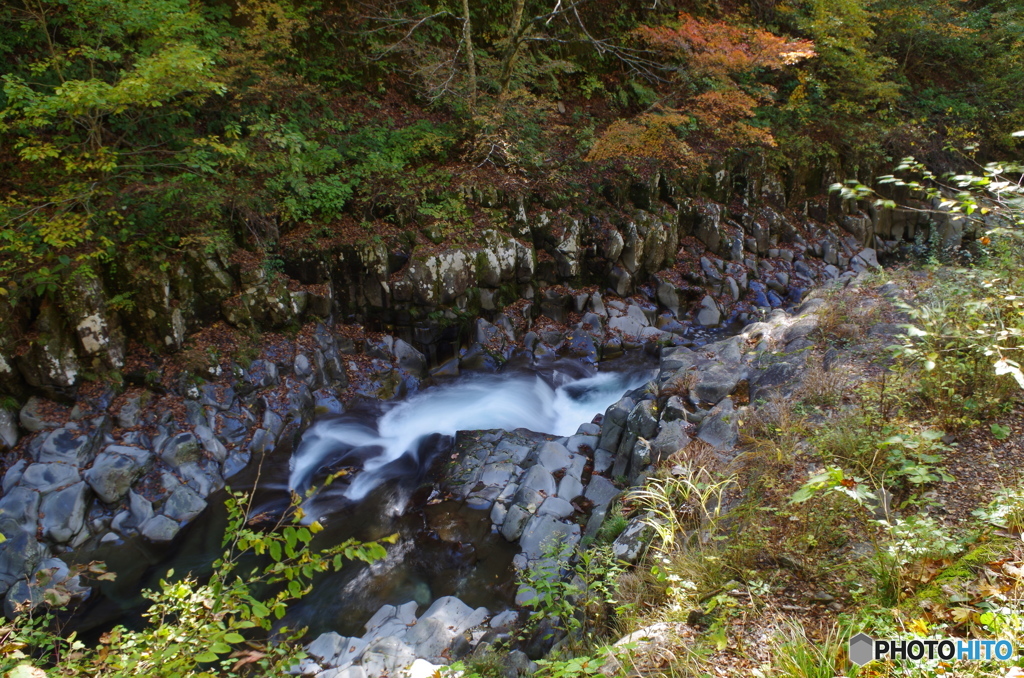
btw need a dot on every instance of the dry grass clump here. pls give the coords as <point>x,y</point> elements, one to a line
<point>822,388</point>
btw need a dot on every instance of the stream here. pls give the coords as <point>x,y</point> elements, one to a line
<point>382,459</point>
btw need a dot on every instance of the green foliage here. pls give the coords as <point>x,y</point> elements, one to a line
<point>577,598</point>
<point>1006,510</point>
<point>220,627</point>
<point>572,668</point>
<point>967,330</point>
<point>613,525</point>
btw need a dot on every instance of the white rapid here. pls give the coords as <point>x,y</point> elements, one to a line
<point>410,429</point>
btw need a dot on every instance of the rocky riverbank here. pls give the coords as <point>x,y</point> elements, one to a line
<point>551,494</point>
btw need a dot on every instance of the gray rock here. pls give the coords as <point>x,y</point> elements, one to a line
<point>601,491</point>
<point>726,351</point>
<point>640,459</point>
<point>45,478</point>
<point>552,456</point>
<point>159,528</point>
<point>115,469</point>
<point>498,474</point>
<point>182,448</point>
<point>577,441</point>
<point>212,444</point>
<point>546,534</point>
<point>810,306</point>
<point>887,330</point>
<point>8,430</point>
<point>498,513</point>
<point>445,620</point>
<point>504,620</point>
<point>611,435</point>
<point>671,438</point>
<point>515,522</point>
<point>262,374</point>
<point>782,375</point>
<point>603,460</point>
<point>569,487</point>
<point>627,326</point>
<point>709,314</point>
<point>631,543</point>
<point>139,511</point>
<point>643,420</point>
<point>203,477</point>
<point>14,474</point>
<point>327,648</point>
<point>676,359</point>
<point>409,359</point>
<point>68,445</point>
<point>386,657</point>
<point>799,329</point>
<point>19,511</point>
<point>22,598</point>
<point>720,428</point>
<point>618,413</point>
<point>183,505</point>
<point>716,382</point>
<point>236,461</point>
<point>130,414</point>
<point>63,512</point>
<point>867,258</point>
<point>19,555</point>
<point>556,507</point>
<point>536,479</point>
<point>31,417</point>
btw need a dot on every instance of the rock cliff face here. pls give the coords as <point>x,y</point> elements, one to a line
<point>702,260</point>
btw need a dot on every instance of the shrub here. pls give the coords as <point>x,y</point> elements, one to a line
<point>200,629</point>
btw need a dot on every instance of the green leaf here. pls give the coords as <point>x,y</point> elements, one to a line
<point>234,637</point>
<point>1000,432</point>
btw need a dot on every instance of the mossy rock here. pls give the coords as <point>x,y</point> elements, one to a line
<point>958,575</point>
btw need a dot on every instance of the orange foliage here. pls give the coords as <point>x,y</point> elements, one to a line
<point>725,111</point>
<point>720,50</point>
<point>649,136</point>
<point>714,54</point>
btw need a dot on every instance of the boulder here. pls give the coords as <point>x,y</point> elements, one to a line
<point>69,445</point>
<point>181,449</point>
<point>709,314</point>
<point>546,534</point>
<point>8,430</point>
<point>671,438</point>
<point>720,428</point>
<point>183,505</point>
<point>159,529</point>
<point>631,543</point>
<point>716,382</point>
<point>552,456</point>
<point>19,511</point>
<point>62,512</point>
<point>115,469</point>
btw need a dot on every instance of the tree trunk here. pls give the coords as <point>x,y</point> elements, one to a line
<point>467,39</point>
<point>515,37</point>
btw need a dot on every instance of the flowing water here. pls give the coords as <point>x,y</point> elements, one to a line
<point>379,458</point>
